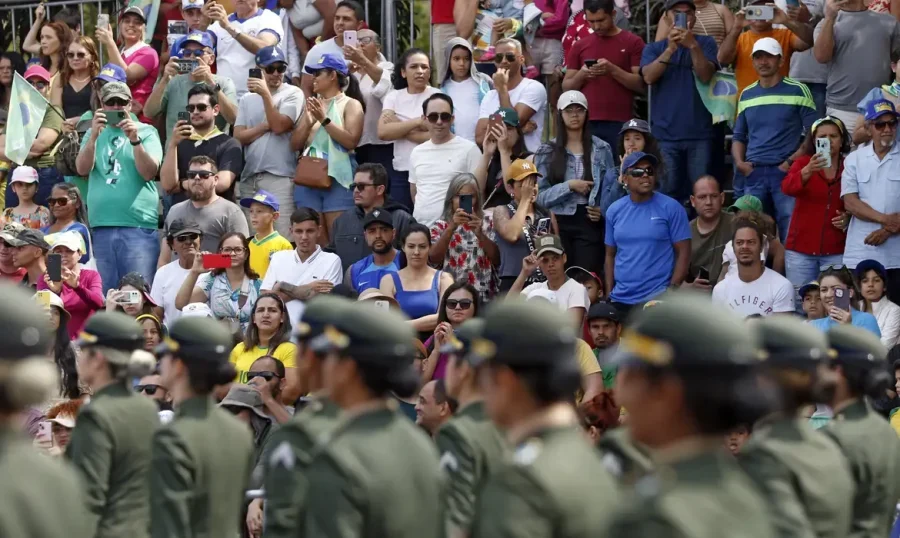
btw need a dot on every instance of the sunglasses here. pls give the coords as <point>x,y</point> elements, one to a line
<point>268,376</point>
<point>201,174</point>
<point>57,201</point>
<point>187,238</point>
<point>79,55</point>
<point>39,84</point>
<point>149,390</point>
<point>454,304</point>
<point>435,116</point>
<point>202,107</point>
<point>359,186</point>
<point>880,125</point>
<point>280,68</point>
<point>193,53</point>
<point>509,56</point>
<point>115,101</point>
<point>640,172</point>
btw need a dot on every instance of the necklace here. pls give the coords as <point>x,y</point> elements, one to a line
<point>85,79</point>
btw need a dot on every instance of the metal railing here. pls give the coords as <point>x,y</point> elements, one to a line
<point>14,12</point>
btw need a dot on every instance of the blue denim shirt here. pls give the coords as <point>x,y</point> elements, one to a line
<point>559,198</point>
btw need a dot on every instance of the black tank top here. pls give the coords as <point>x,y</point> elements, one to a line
<point>76,103</point>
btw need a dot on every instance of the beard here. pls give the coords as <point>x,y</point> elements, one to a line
<point>383,249</point>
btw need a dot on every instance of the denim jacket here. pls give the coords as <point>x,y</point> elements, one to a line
<point>559,198</point>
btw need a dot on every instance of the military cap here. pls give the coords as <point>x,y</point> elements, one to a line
<point>369,334</point>
<point>320,311</point>
<point>857,345</point>
<point>246,397</point>
<point>524,333</point>
<point>787,341</point>
<point>113,330</point>
<point>26,330</point>
<point>197,338</point>
<point>686,329</point>
<point>461,340</point>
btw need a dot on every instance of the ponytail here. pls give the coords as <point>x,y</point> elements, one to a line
<point>350,86</point>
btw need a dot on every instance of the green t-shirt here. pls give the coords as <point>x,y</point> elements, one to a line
<point>52,120</point>
<point>609,372</point>
<point>118,195</point>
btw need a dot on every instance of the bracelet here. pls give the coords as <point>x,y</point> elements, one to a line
<point>138,143</point>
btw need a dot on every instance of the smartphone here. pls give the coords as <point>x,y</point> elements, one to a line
<point>842,299</point>
<point>465,203</point>
<point>681,20</point>
<point>382,304</point>
<point>185,66</point>
<point>495,120</point>
<point>184,116</point>
<point>54,267</point>
<point>129,297</point>
<point>759,13</point>
<point>703,274</point>
<point>792,3</point>
<point>350,39</point>
<point>543,227</point>
<point>178,27</point>
<point>256,72</point>
<point>43,298</point>
<point>45,431</point>
<point>590,63</point>
<point>114,117</point>
<point>823,148</point>
<point>216,261</point>
<point>103,21</point>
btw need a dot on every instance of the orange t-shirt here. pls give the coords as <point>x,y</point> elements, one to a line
<point>744,73</point>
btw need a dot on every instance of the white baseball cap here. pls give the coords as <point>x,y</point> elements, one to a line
<point>571,97</point>
<point>768,45</point>
<point>24,174</point>
<point>191,4</point>
<point>64,419</point>
<point>72,240</point>
<point>196,310</point>
<point>542,293</point>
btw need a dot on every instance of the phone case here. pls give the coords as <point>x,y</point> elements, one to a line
<point>216,261</point>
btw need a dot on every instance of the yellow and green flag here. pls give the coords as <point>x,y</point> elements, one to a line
<point>26,114</point>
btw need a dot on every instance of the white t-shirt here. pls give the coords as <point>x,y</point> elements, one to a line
<point>285,266</point>
<point>465,106</point>
<point>769,294</point>
<point>329,46</point>
<point>406,106</point>
<point>374,93</point>
<point>529,92</point>
<point>432,168</point>
<point>232,59</point>
<point>729,257</point>
<point>166,284</point>
<point>570,295</point>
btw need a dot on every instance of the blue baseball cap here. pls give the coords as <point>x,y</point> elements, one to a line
<point>812,285</point>
<point>635,124</point>
<point>327,61</point>
<point>261,197</point>
<point>198,36</point>
<point>871,265</point>
<point>270,55</point>
<point>637,157</point>
<point>879,107</point>
<point>111,73</point>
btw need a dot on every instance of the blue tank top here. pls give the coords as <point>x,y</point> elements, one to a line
<point>417,304</point>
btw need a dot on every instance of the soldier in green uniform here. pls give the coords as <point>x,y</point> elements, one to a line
<point>202,459</point>
<point>554,484</point>
<point>41,497</point>
<point>801,472</point>
<point>376,475</point>
<point>625,459</point>
<point>110,444</point>
<point>867,440</point>
<point>287,461</point>
<point>683,365</point>
<point>470,445</point>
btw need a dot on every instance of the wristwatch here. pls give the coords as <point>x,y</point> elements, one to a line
<point>138,143</point>
<point>326,121</point>
<point>217,87</point>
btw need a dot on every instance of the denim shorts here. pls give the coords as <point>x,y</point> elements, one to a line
<point>334,198</point>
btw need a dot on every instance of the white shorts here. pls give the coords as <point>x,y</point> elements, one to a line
<point>546,54</point>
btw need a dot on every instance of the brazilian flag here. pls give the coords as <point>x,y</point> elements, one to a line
<point>720,96</point>
<point>26,113</point>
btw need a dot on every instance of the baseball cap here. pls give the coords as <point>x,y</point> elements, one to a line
<point>265,198</point>
<point>134,10</point>
<point>181,227</point>
<point>879,107</point>
<point>65,420</point>
<point>603,311</point>
<point>542,293</point>
<point>521,169</point>
<point>672,3</point>
<point>812,285</point>
<point>548,243</point>
<point>378,215</point>
<point>635,124</point>
<point>196,36</point>
<point>191,4</point>
<point>510,116</point>
<point>196,310</point>
<point>767,45</point>
<point>111,73</point>
<point>631,160</point>
<point>573,270</point>
<point>29,237</point>
<point>72,240</point>
<point>115,89</point>
<point>10,231</point>
<point>327,61</point>
<point>571,97</point>
<point>24,174</point>
<point>37,71</point>
<point>747,202</point>
<point>270,55</point>
<point>871,265</point>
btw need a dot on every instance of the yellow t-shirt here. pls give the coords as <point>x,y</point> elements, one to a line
<point>243,359</point>
<point>261,251</point>
<point>587,363</point>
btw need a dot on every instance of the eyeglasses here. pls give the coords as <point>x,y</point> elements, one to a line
<point>366,40</point>
<point>509,56</point>
<point>463,304</point>
<point>187,238</point>
<point>38,84</point>
<point>268,376</point>
<point>880,125</point>
<point>359,186</point>
<point>79,55</point>
<point>202,107</point>
<point>115,101</point>
<point>149,390</point>
<point>233,250</point>
<point>196,53</point>
<point>435,116</point>
<point>280,68</point>
<point>199,174</point>
<point>640,172</point>
<point>57,201</point>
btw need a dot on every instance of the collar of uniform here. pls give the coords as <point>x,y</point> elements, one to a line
<point>475,409</point>
<point>687,449</point>
<point>197,406</point>
<point>113,389</point>
<point>851,409</point>
<point>556,415</point>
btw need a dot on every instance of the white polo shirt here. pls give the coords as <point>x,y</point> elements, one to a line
<point>285,266</point>
<point>232,59</point>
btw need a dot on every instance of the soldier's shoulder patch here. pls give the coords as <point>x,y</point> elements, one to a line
<point>528,452</point>
<point>648,487</point>
<point>449,462</point>
<point>283,456</point>
<point>613,464</point>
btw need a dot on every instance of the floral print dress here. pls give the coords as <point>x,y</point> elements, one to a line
<point>39,218</point>
<point>466,260</point>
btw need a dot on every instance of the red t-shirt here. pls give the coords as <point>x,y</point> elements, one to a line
<point>15,277</point>
<point>442,11</point>
<point>607,99</point>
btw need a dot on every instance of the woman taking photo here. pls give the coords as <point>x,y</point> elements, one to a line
<point>132,296</point>
<point>817,233</point>
<point>570,166</point>
<point>417,287</point>
<point>503,144</point>
<point>634,136</point>
<point>230,293</point>
<point>67,213</point>
<point>139,60</point>
<point>332,126</point>
<point>74,93</point>
<point>872,278</point>
<point>401,117</point>
<point>373,72</point>
<point>461,241</point>
<point>459,304</point>
<point>80,289</point>
<point>64,353</point>
<point>844,304</point>
<point>269,334</point>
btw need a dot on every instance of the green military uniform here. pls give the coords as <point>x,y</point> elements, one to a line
<point>801,472</point>
<point>470,445</point>
<point>554,483</point>
<point>202,459</point>
<point>867,440</point>
<point>698,489</point>
<point>625,459</point>
<point>376,475</point>
<point>286,463</point>
<point>110,444</point>
<point>42,497</point>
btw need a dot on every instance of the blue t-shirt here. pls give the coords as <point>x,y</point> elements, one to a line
<point>772,121</point>
<point>365,274</point>
<point>863,320</point>
<point>678,113</point>
<point>644,234</point>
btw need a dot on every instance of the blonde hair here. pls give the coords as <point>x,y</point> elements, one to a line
<point>93,64</point>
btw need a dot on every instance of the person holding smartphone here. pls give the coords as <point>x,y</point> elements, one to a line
<point>844,304</point>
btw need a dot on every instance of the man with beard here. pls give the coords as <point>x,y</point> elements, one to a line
<point>215,215</point>
<point>710,232</point>
<point>755,289</point>
<point>266,375</point>
<point>605,326</point>
<point>183,238</point>
<point>367,272</point>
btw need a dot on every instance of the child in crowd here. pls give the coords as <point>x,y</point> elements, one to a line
<point>24,182</point>
<point>264,212</point>
<point>594,287</point>
<point>633,136</point>
<point>812,301</point>
<point>736,438</point>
